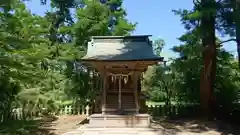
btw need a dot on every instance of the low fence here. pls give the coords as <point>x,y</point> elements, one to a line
<point>69,110</point>
<point>160,110</point>
<point>174,110</point>
<point>17,113</point>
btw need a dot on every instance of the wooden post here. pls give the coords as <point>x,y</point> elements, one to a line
<point>83,110</point>
<point>119,93</point>
<point>135,82</point>
<point>87,110</point>
<point>104,92</point>
<point>65,110</point>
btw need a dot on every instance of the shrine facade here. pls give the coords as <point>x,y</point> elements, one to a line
<point>120,61</point>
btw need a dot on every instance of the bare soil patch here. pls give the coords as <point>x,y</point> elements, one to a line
<point>195,127</point>
<point>49,125</point>
<point>64,124</point>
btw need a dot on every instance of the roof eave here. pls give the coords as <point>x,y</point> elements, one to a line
<point>120,37</point>
<point>159,59</point>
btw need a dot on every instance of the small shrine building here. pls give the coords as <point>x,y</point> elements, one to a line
<point>120,60</point>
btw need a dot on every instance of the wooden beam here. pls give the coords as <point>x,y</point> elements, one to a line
<point>121,70</point>
<point>124,66</point>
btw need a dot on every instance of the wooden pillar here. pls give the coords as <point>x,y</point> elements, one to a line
<point>104,92</point>
<point>97,105</point>
<point>119,93</point>
<point>135,84</point>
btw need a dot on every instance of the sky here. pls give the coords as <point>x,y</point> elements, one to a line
<point>154,17</point>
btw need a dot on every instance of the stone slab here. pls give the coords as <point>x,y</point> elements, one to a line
<point>114,131</point>
<point>119,121</point>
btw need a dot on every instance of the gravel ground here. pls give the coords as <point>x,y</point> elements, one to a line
<point>64,124</point>
<point>195,127</point>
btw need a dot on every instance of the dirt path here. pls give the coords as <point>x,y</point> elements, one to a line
<point>172,127</point>
<point>49,125</point>
<point>59,125</point>
<point>63,124</point>
<point>196,127</point>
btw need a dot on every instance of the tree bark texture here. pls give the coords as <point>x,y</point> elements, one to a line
<point>209,60</point>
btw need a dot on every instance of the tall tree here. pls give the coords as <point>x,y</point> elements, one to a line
<point>189,65</point>
<point>202,18</point>
<point>208,74</point>
<point>101,18</point>
<point>229,21</point>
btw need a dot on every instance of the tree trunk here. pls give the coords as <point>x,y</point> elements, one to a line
<point>237,13</point>
<point>209,58</point>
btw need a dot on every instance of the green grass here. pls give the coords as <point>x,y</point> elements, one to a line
<point>158,103</point>
<point>172,103</point>
<point>18,127</point>
<point>24,127</point>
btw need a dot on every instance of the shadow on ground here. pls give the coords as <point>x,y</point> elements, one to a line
<point>48,125</point>
<point>176,126</point>
<point>84,121</point>
<point>28,127</point>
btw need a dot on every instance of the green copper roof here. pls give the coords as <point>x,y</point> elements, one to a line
<point>120,48</point>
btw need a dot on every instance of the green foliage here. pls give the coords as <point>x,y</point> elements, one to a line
<point>39,65</point>
<point>94,19</point>
<point>97,19</point>
<point>179,80</point>
<point>39,54</point>
<point>158,46</point>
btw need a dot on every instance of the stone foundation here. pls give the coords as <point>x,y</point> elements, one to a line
<point>115,131</point>
<point>119,121</point>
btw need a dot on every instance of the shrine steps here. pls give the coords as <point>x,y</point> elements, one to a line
<point>115,131</point>
<point>119,121</point>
